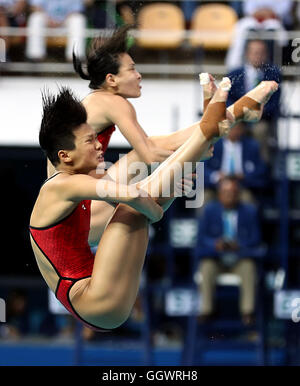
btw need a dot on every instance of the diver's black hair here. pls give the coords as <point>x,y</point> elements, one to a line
<point>103,57</point>
<point>62,113</point>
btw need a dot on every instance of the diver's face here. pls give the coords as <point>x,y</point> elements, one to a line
<point>128,78</point>
<point>87,153</point>
<point>228,193</point>
<point>256,53</point>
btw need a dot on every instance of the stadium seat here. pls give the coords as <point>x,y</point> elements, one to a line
<point>212,26</point>
<point>161,25</point>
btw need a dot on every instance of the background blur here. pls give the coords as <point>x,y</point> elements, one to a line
<point>193,306</point>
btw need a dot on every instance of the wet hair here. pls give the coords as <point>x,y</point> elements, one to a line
<point>62,114</point>
<point>103,57</point>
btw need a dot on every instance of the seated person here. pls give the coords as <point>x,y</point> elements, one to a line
<point>17,315</point>
<point>259,15</point>
<point>12,14</point>
<point>268,9</point>
<point>229,231</point>
<point>98,14</point>
<point>106,14</point>
<point>55,13</point>
<point>257,67</point>
<point>237,155</point>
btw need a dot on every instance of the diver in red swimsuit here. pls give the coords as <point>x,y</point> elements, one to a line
<point>67,238</point>
<point>101,290</point>
<point>91,287</point>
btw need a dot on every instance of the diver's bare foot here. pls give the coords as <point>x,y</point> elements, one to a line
<point>263,92</point>
<point>221,93</point>
<point>249,108</point>
<point>214,122</point>
<point>207,81</point>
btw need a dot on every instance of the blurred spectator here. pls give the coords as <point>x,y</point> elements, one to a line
<point>229,232</point>
<point>106,14</point>
<point>17,318</point>
<point>12,14</point>
<point>99,14</point>
<point>237,155</point>
<point>25,316</point>
<point>128,9</point>
<point>266,9</point>
<point>259,15</point>
<point>256,68</point>
<point>56,13</point>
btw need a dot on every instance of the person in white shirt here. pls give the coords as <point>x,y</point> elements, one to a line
<point>262,15</point>
<point>281,9</point>
<point>12,14</point>
<point>56,13</point>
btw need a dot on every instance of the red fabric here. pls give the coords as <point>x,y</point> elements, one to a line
<point>66,243</point>
<point>104,137</point>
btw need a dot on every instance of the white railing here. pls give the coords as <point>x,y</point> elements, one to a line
<point>186,34</point>
<point>172,69</point>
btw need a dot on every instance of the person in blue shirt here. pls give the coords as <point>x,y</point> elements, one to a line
<point>238,155</point>
<point>260,16</point>
<point>229,231</point>
<point>56,13</point>
<point>258,67</point>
